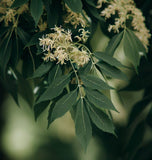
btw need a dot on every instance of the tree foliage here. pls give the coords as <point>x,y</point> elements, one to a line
<point>64,86</point>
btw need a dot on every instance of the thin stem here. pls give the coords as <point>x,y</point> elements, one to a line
<point>76,75</point>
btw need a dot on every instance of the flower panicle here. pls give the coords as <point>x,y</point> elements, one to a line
<point>126,11</point>
<point>59,46</point>
<point>8,14</point>
<point>76,19</point>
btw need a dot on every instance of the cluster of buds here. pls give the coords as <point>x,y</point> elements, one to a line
<point>8,14</point>
<point>58,46</point>
<point>126,11</point>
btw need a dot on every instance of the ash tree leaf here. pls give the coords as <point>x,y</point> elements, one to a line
<point>11,85</point>
<point>149,117</point>
<point>94,82</point>
<point>24,36</point>
<point>135,139</point>
<point>82,124</point>
<point>74,5</point>
<point>138,43</point>
<point>18,3</point>
<point>36,8</point>
<point>132,47</point>
<point>99,100</point>
<point>16,51</point>
<point>108,59</point>
<point>42,69</point>
<point>63,105</point>
<point>138,109</point>
<point>85,69</point>
<point>93,12</point>
<point>5,54</point>
<point>35,39</point>
<point>111,71</point>
<point>54,73</point>
<point>113,44</point>
<point>91,3</point>
<point>55,88</point>
<point>50,113</point>
<point>39,108</point>
<point>53,12</point>
<point>25,89</point>
<point>100,119</point>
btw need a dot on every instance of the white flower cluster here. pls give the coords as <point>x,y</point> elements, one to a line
<point>76,18</point>
<point>126,11</point>
<point>58,46</point>
<point>8,14</point>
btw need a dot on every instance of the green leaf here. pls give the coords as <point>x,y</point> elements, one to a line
<point>64,105</point>
<point>149,117</point>
<point>54,73</point>
<point>55,88</point>
<point>18,3</point>
<point>50,113</point>
<point>74,5</point>
<point>10,83</point>
<point>53,12</point>
<point>36,8</point>
<point>113,44</point>
<point>99,100</point>
<point>135,140</point>
<point>25,89</point>
<point>82,124</point>
<point>100,119</point>
<point>111,71</point>
<point>94,13</point>
<point>85,69</point>
<point>94,82</point>
<point>138,82</point>
<point>138,43</point>
<point>24,36</point>
<point>138,109</point>
<point>145,151</point>
<point>16,51</point>
<point>5,53</point>
<point>39,108</point>
<point>132,47</point>
<point>108,59</point>
<point>42,69</point>
<point>35,39</point>
<point>91,3</point>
